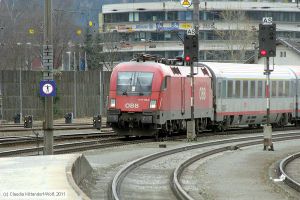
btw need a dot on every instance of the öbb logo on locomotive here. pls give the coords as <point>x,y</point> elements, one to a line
<point>132,105</point>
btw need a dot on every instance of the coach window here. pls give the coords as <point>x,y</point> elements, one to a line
<point>259,88</point>
<point>229,89</point>
<point>245,89</point>
<point>219,90</point>
<point>287,89</point>
<point>252,89</point>
<point>224,89</point>
<point>274,87</point>
<point>237,89</point>
<point>280,89</point>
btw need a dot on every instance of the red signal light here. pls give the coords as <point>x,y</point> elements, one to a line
<point>187,58</point>
<point>263,52</point>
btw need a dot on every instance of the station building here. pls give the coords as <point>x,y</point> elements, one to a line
<point>228,30</point>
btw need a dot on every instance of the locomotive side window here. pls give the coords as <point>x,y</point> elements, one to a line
<point>237,89</point>
<point>229,89</point>
<point>165,83</point>
<point>252,89</point>
<point>245,89</point>
<point>259,88</point>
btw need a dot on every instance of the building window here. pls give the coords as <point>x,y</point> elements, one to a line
<point>134,17</point>
<point>282,53</point>
<point>185,15</point>
<point>172,16</point>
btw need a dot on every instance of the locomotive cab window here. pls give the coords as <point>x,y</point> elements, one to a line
<point>134,83</point>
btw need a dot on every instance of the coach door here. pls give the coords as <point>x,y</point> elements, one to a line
<point>182,80</point>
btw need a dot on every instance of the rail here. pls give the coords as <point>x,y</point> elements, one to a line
<point>286,178</point>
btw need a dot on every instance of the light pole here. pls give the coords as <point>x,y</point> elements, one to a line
<point>20,85</point>
<point>48,124</point>
<point>75,84</point>
<point>1,104</point>
<point>28,57</point>
<point>69,65</point>
<point>144,40</point>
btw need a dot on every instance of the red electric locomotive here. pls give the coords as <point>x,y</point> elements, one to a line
<point>149,98</point>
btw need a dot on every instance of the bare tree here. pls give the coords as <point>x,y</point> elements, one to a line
<point>238,35</point>
<point>64,30</point>
<point>111,49</point>
<point>21,31</point>
<point>103,49</point>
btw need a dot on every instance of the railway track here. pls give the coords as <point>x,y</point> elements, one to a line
<point>103,141</point>
<point>17,140</point>
<point>19,128</point>
<point>289,171</point>
<point>119,188</point>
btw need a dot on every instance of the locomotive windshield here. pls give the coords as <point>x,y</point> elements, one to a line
<point>134,83</point>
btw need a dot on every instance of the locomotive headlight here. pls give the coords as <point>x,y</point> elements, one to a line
<point>152,104</point>
<point>112,103</point>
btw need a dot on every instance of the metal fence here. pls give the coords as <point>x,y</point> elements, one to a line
<point>19,93</point>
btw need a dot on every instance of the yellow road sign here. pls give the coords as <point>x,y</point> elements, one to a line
<point>186,3</point>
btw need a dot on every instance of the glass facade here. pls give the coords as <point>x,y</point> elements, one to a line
<point>150,25</point>
<point>144,1</point>
<point>147,16</point>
